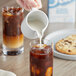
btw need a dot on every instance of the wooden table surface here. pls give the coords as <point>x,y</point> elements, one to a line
<point>20,64</point>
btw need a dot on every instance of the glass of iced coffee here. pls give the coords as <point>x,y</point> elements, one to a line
<point>41,60</point>
<point>12,36</point>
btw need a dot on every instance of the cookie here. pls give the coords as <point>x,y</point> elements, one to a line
<point>67,45</point>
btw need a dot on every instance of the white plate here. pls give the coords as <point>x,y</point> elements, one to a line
<point>55,37</point>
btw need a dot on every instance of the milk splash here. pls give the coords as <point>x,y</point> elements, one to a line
<point>38,26</point>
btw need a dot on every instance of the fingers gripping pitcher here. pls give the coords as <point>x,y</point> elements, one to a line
<point>41,55</point>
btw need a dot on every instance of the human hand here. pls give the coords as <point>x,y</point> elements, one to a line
<point>29,4</point>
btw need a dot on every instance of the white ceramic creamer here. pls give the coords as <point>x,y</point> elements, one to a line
<point>34,24</point>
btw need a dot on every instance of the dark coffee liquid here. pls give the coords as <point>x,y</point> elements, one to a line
<point>12,22</point>
<point>41,61</point>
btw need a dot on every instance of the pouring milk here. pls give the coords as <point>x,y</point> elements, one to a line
<point>37,26</point>
<point>34,24</point>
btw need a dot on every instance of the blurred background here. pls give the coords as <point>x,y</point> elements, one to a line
<point>52,26</point>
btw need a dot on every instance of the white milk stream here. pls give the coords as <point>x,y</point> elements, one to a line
<point>38,26</point>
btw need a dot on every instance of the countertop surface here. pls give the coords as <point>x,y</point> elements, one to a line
<point>20,64</point>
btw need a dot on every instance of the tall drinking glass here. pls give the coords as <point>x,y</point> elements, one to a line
<point>12,36</point>
<point>41,60</point>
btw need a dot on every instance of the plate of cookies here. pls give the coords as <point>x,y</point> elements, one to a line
<point>64,43</point>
